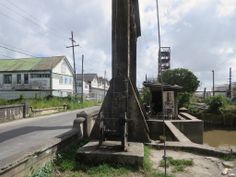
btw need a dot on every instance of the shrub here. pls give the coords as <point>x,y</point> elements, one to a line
<point>216,103</point>
<point>184,99</point>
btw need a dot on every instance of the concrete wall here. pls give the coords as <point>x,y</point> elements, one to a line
<point>13,112</point>
<point>12,94</point>
<point>192,129</point>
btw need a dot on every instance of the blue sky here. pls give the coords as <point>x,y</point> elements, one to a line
<point>201,33</point>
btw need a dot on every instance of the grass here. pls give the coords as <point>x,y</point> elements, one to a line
<point>149,171</point>
<point>40,103</point>
<point>178,165</point>
<point>66,165</point>
<point>228,157</point>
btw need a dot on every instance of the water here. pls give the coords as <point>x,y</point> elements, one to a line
<point>225,139</point>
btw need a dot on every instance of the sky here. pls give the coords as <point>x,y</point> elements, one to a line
<point>201,34</point>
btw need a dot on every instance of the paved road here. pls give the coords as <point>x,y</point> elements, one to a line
<point>20,135</point>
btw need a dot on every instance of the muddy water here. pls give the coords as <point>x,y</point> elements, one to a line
<point>220,138</point>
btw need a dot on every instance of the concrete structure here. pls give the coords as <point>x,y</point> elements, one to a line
<point>33,142</point>
<point>168,100</point>
<point>111,152</point>
<point>122,99</point>
<point>94,87</point>
<point>35,77</point>
<point>13,112</point>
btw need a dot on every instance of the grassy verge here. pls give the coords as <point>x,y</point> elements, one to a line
<point>178,165</point>
<point>65,165</point>
<point>40,103</point>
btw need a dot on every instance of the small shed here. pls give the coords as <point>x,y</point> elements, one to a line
<point>168,101</point>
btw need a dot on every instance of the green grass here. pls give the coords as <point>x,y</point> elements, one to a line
<point>66,165</point>
<point>45,171</point>
<point>178,165</point>
<point>149,171</point>
<point>228,157</point>
<point>40,103</point>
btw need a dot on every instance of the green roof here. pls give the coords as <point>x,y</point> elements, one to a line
<point>29,64</point>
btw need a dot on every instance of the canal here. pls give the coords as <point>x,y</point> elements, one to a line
<point>220,138</point>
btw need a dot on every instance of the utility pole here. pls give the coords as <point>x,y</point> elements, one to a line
<point>82,70</point>
<point>204,93</point>
<point>213,82</point>
<point>73,45</point>
<point>230,82</point>
<point>104,84</point>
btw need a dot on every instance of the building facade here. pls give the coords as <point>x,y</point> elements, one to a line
<point>94,87</point>
<point>35,77</point>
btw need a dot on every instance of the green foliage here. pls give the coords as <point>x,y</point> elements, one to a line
<point>184,99</point>
<point>216,103</point>
<point>45,171</point>
<point>146,95</point>
<point>40,103</point>
<point>179,165</point>
<point>182,77</point>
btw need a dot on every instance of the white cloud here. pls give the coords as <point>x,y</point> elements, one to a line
<point>226,8</point>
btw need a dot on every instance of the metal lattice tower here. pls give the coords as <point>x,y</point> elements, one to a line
<point>164,59</point>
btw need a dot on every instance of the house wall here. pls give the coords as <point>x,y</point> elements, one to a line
<point>85,86</point>
<point>62,80</point>
<point>34,83</point>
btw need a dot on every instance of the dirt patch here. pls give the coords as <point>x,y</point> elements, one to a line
<point>203,166</point>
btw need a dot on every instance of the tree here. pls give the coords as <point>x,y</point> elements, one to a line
<point>182,77</point>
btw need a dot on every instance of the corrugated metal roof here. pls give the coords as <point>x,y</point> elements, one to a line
<point>88,77</point>
<point>27,64</point>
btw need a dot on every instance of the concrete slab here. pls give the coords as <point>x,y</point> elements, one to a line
<point>111,152</point>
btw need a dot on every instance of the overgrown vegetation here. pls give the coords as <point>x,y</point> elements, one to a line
<point>216,103</point>
<point>220,112</point>
<point>39,103</point>
<point>178,165</point>
<point>65,165</point>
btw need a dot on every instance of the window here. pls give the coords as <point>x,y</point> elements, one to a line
<point>39,75</point>
<point>7,78</point>
<point>18,78</point>
<point>26,79</point>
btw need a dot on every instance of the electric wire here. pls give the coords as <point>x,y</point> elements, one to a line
<point>26,54</point>
<point>33,21</point>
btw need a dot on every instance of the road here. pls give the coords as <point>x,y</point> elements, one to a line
<point>21,135</point>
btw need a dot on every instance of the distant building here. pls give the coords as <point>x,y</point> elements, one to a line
<point>222,89</point>
<point>233,89</point>
<point>94,87</point>
<point>35,77</point>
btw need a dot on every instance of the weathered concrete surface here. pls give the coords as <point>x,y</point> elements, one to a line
<point>22,138</point>
<point>179,135</point>
<point>192,147</point>
<point>13,112</point>
<point>122,97</point>
<point>111,152</point>
<point>203,166</point>
<point>192,129</point>
<point>25,163</point>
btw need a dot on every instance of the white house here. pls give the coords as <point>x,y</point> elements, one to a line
<point>35,77</point>
<point>94,87</point>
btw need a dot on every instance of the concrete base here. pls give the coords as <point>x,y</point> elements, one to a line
<point>110,152</point>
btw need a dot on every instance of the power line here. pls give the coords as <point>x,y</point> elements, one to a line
<point>15,48</point>
<point>29,19</point>
<point>34,18</point>
<point>16,51</point>
<point>6,56</point>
